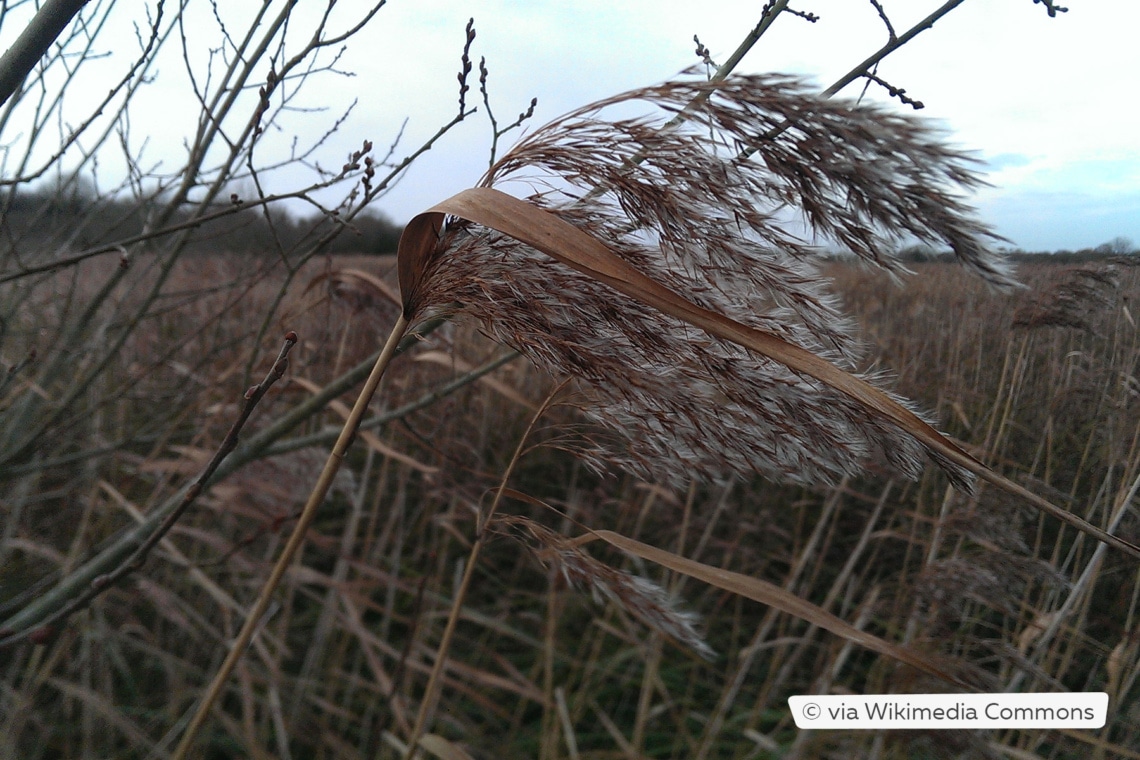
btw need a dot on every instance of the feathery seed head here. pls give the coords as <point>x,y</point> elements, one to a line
<point>702,207</point>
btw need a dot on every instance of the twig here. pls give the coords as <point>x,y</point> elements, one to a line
<point>806,16</point>
<point>465,67</point>
<point>895,92</point>
<point>867,67</point>
<point>1051,8</point>
<point>894,44</point>
<point>135,561</point>
<point>496,133</point>
<point>886,21</point>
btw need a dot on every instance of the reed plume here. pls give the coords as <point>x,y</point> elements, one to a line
<point>1070,298</point>
<point>641,597</point>
<point>711,208</point>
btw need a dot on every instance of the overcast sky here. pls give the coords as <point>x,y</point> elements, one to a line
<point>1048,103</point>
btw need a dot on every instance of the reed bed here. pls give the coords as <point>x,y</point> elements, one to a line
<point>539,666</point>
<point>697,494</point>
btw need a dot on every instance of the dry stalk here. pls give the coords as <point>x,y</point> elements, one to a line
<point>296,539</point>
<point>427,703</point>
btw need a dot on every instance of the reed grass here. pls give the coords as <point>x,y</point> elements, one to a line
<point>402,612</point>
<point>144,651</point>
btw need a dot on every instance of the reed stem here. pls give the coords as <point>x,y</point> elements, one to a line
<point>427,705</point>
<point>332,466</point>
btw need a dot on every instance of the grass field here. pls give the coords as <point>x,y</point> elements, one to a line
<point>1043,385</point>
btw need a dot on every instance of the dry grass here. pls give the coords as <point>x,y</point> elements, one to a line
<point>338,668</point>
<point>387,603</point>
<point>720,358</point>
<point>679,206</point>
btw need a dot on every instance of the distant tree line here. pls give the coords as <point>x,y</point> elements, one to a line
<point>80,218</point>
<point>1118,249</point>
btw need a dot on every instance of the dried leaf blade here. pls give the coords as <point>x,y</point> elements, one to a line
<point>774,596</point>
<point>562,241</point>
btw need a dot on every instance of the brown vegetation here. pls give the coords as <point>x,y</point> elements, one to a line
<point>550,608</point>
<point>337,667</point>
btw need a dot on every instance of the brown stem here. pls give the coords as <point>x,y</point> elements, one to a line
<point>423,718</point>
<point>253,619</point>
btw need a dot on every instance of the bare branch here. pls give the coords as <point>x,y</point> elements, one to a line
<point>33,43</point>
<point>135,561</point>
